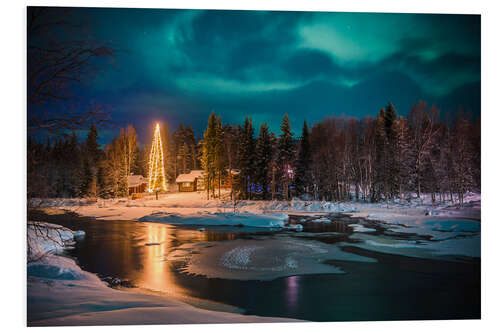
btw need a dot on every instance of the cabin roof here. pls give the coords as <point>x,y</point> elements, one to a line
<point>136,180</point>
<point>189,177</point>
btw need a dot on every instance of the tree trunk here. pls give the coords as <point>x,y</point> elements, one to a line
<point>219,183</point>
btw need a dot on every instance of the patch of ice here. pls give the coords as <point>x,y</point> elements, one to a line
<point>266,259</point>
<point>208,218</point>
<point>361,228</point>
<point>322,220</point>
<point>238,258</point>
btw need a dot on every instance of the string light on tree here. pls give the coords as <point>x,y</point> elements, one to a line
<point>156,179</point>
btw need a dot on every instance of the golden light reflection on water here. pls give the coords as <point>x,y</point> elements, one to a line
<point>156,271</point>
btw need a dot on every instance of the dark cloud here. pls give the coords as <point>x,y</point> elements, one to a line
<point>178,65</point>
<point>307,64</point>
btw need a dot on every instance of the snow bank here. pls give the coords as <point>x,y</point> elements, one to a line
<point>428,237</point>
<point>189,203</point>
<point>61,294</point>
<point>361,228</point>
<point>46,238</point>
<point>301,206</point>
<point>208,218</point>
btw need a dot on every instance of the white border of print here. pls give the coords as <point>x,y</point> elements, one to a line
<point>13,170</point>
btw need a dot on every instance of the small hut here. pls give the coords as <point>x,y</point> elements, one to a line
<point>137,184</point>
<point>191,182</point>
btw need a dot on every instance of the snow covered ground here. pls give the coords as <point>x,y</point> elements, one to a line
<point>61,294</point>
<point>46,238</point>
<point>416,228</point>
<point>191,204</point>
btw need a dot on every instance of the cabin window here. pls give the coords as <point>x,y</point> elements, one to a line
<point>186,184</point>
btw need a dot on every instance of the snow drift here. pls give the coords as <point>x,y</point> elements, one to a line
<point>208,218</point>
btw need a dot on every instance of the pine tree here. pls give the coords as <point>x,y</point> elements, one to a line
<point>190,148</point>
<point>179,154</point>
<point>403,155</point>
<point>130,145</point>
<point>286,153</point>
<point>303,178</point>
<point>263,159</point>
<point>390,150</point>
<point>91,145</point>
<point>219,166</point>
<point>462,157</point>
<point>230,149</point>
<point>380,172</point>
<point>209,152</point>
<point>73,165</point>
<point>246,158</point>
<point>91,157</point>
<point>168,154</point>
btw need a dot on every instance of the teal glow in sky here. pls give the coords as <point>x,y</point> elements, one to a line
<point>178,65</point>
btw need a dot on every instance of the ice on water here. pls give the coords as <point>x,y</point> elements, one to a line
<point>267,259</point>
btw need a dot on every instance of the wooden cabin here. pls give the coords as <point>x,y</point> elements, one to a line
<point>191,182</point>
<point>137,184</point>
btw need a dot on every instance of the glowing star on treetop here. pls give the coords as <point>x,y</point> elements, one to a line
<point>156,179</point>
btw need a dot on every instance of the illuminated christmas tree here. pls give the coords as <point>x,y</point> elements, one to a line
<point>156,179</point>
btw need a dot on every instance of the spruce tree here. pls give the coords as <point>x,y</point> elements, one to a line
<point>178,151</point>
<point>263,159</point>
<point>379,169</point>
<point>286,153</point>
<point>91,156</point>
<point>403,155</point>
<point>73,160</point>
<point>218,147</point>
<point>190,148</point>
<point>303,178</point>
<point>209,151</point>
<point>91,145</point>
<point>246,158</point>
<point>390,150</point>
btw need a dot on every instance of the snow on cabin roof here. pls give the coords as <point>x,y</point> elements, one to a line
<point>189,177</point>
<point>136,180</point>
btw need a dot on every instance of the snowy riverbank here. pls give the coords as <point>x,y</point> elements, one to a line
<point>194,208</point>
<point>61,294</point>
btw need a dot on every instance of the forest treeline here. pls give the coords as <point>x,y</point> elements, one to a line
<point>337,159</point>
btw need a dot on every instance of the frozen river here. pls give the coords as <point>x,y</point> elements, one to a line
<point>340,270</point>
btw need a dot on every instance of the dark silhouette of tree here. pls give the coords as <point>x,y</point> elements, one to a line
<point>61,54</point>
<point>303,178</point>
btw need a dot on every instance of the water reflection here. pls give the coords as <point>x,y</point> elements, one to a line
<point>139,252</point>
<point>419,289</point>
<point>292,293</point>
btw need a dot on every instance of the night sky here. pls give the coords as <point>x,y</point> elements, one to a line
<point>178,65</point>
